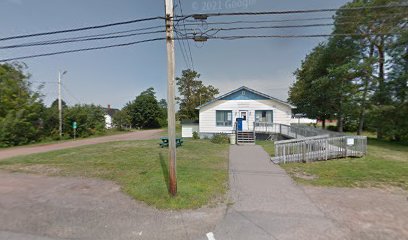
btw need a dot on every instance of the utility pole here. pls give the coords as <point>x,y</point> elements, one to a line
<point>171,101</point>
<point>60,102</point>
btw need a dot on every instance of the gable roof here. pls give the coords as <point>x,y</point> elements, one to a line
<point>110,111</point>
<point>256,93</point>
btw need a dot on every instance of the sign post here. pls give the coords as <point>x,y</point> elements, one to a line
<point>74,126</point>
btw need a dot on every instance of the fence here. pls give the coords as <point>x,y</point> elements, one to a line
<point>292,131</point>
<point>317,148</point>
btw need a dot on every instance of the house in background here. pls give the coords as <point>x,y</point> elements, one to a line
<point>109,113</point>
<point>253,107</point>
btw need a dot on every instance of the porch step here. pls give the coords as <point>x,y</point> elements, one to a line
<point>245,137</point>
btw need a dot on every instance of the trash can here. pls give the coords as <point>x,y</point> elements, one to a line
<point>232,139</point>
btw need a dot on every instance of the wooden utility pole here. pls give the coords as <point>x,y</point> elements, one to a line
<point>171,100</point>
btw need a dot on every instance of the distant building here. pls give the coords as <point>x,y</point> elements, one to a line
<point>109,113</point>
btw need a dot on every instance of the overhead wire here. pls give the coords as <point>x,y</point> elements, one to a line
<point>206,15</point>
<point>82,49</point>
<point>188,43</point>
<point>82,39</point>
<point>81,29</point>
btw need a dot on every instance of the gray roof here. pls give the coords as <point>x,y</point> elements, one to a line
<point>250,90</point>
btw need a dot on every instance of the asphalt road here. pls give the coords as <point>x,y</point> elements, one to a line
<point>25,150</point>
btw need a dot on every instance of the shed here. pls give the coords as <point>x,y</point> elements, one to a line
<point>188,127</point>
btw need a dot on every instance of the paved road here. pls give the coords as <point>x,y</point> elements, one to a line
<point>267,204</point>
<point>34,207</point>
<point>138,135</point>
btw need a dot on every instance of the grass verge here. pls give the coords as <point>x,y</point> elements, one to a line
<point>385,165</point>
<point>140,167</point>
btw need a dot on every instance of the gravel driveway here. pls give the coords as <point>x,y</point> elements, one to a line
<point>25,150</point>
<point>34,207</point>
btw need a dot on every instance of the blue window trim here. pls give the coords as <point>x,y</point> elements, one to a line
<point>216,123</point>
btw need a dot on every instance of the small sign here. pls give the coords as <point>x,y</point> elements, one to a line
<point>74,125</point>
<point>350,141</point>
<point>229,116</point>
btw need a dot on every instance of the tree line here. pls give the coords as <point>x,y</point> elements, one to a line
<point>359,79</point>
<point>25,119</point>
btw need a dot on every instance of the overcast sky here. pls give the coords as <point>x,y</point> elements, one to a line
<point>115,76</point>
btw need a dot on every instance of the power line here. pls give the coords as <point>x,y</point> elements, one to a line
<point>180,43</point>
<point>97,35</point>
<point>201,22</point>
<point>268,27</point>
<point>78,40</point>
<point>188,43</point>
<point>206,15</point>
<point>235,37</point>
<point>82,28</point>
<point>70,93</point>
<point>81,50</point>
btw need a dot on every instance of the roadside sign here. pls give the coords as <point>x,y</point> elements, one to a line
<point>74,125</point>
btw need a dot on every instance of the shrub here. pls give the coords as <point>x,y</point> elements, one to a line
<point>220,138</point>
<point>195,135</point>
<point>331,128</point>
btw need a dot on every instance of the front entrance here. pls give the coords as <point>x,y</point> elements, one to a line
<point>244,116</point>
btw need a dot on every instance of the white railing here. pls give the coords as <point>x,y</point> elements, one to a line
<point>319,148</point>
<point>311,144</point>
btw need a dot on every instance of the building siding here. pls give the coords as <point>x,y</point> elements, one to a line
<point>281,113</point>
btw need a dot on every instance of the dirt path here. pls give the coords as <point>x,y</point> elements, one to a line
<point>138,135</point>
<point>34,207</point>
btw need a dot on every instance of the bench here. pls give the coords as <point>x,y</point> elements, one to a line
<point>165,142</point>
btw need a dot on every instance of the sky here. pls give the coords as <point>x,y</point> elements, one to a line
<point>116,76</point>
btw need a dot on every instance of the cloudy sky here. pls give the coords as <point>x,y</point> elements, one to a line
<point>115,76</point>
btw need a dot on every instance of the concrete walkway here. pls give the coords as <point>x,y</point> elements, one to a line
<point>267,204</point>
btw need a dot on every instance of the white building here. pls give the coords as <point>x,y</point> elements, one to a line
<point>253,107</point>
<point>109,112</point>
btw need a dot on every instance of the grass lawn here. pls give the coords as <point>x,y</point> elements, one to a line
<point>267,146</point>
<point>140,167</point>
<point>386,164</point>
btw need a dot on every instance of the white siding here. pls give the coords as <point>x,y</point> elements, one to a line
<point>108,121</point>
<point>281,113</point>
<point>188,129</point>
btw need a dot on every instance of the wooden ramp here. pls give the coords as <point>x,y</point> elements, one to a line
<point>319,148</point>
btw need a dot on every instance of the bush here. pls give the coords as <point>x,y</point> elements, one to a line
<point>195,135</point>
<point>220,138</point>
<point>331,128</point>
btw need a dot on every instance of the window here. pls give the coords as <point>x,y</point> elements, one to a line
<point>264,116</point>
<point>224,118</point>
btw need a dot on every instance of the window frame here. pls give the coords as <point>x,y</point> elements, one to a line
<point>266,114</point>
<point>225,123</point>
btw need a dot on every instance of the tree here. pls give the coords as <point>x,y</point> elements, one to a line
<point>311,92</point>
<point>21,108</point>
<point>90,120</point>
<point>145,111</point>
<point>51,119</point>
<point>374,34</point>
<point>122,119</point>
<point>192,94</point>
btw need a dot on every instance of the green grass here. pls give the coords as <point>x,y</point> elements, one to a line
<point>267,146</point>
<point>140,167</point>
<point>385,165</point>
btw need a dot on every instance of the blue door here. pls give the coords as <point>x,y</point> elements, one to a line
<point>239,124</point>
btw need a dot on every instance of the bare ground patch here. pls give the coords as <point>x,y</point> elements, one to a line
<point>369,213</point>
